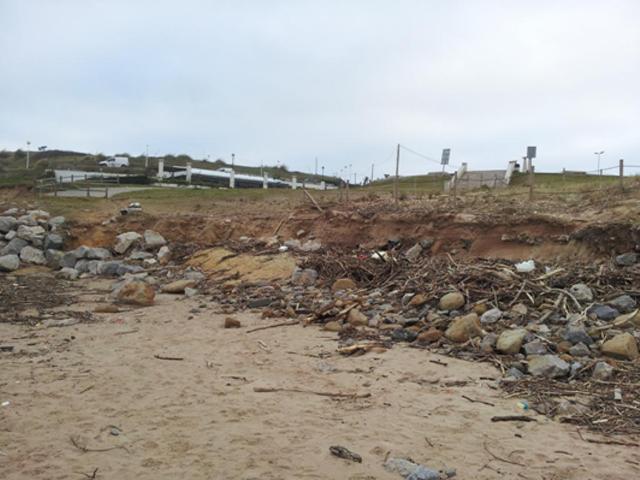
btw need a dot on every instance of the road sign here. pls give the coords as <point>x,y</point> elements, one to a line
<point>531,152</point>
<point>446,153</point>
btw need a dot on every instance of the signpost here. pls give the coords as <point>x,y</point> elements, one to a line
<point>446,154</point>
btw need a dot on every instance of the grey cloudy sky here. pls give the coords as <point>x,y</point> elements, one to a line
<point>341,80</point>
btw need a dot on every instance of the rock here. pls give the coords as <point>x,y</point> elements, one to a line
<point>94,253</point>
<point>488,342</point>
<point>31,234</point>
<point>14,247</point>
<point>582,292</point>
<point>462,329</point>
<point>514,374</point>
<point>418,300</point>
<point>55,222</point>
<point>413,254</point>
<point>550,366</point>
<point>430,336</point>
<point>231,322</point>
<point>190,292</point>
<point>403,335</point>
<point>139,255</point>
<point>491,316</point>
<point>30,254</point>
<point>136,293</point>
<point>579,350</point>
<point>67,322</point>
<point>451,301</point>
<point>27,220</point>
<point>357,318</point>
<point>54,241</point>
<point>332,326</point>
<point>12,212</point>
<point>343,284</point>
<point>178,286</point>
<point>519,310</point>
<point>9,263</point>
<point>603,312</point>
<point>125,241</point>
<point>11,234</point>
<point>259,302</point>
<point>577,334</point>
<point>602,371</point>
<point>164,255</point>
<point>54,258</point>
<point>623,346</point>
<point>115,268</point>
<point>68,273</point>
<point>410,470</point>
<point>569,408</point>
<point>194,275</point>
<point>311,246</point>
<point>106,308</point>
<point>68,260</point>
<point>153,239</point>
<point>38,214</point>
<point>304,276</point>
<point>627,259</point>
<point>623,303</point>
<point>7,224</point>
<point>510,341</point>
<point>536,347</point>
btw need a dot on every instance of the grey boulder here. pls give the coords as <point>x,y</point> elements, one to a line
<point>9,263</point>
<point>32,255</point>
<point>7,224</point>
<point>550,366</point>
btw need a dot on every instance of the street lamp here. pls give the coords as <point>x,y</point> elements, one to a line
<point>599,154</point>
<point>28,146</point>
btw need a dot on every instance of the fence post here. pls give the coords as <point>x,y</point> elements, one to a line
<point>395,180</point>
<point>106,191</point>
<point>232,179</point>
<point>621,166</point>
<point>347,191</point>
<point>455,186</point>
<point>55,187</point>
<point>531,182</point>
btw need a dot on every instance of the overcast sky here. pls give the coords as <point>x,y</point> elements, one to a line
<point>343,81</point>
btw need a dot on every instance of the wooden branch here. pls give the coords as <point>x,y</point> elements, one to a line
<point>513,418</point>
<point>175,359</point>
<point>281,324</point>
<point>313,392</point>
<point>313,200</point>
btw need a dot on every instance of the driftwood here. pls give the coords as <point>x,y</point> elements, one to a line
<point>281,324</point>
<point>313,392</point>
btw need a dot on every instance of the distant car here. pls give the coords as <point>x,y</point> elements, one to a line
<point>115,162</point>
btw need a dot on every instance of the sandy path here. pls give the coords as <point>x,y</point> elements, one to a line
<point>201,419</point>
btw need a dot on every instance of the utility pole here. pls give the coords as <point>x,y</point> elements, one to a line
<point>395,181</point>
<point>233,159</point>
<point>355,178</point>
<point>28,147</point>
<point>316,171</point>
<point>372,172</point>
<point>599,154</point>
<point>146,158</point>
<point>323,172</point>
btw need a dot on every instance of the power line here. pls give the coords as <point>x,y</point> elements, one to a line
<point>424,156</point>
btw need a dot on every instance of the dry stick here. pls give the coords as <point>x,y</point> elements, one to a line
<point>313,392</point>
<point>478,401</point>
<point>607,442</point>
<point>281,324</point>
<point>86,449</point>
<point>161,357</point>
<point>313,200</point>
<point>438,362</point>
<point>484,444</point>
<point>513,418</point>
<point>93,475</point>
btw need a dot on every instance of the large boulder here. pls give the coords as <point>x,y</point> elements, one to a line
<point>34,234</point>
<point>463,328</point>
<point>623,346</point>
<point>9,263</point>
<point>451,301</point>
<point>136,293</point>
<point>32,255</point>
<point>153,240</point>
<point>97,253</point>
<point>56,222</point>
<point>54,241</point>
<point>7,224</point>
<point>54,258</point>
<point>125,241</point>
<point>550,366</point>
<point>510,341</point>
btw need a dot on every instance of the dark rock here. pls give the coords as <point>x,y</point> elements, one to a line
<point>259,302</point>
<point>603,312</point>
<point>577,334</point>
<point>623,303</point>
<point>403,335</point>
<point>627,259</point>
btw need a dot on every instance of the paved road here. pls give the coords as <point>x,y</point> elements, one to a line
<point>97,193</point>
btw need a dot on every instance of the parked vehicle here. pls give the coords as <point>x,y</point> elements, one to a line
<point>115,162</point>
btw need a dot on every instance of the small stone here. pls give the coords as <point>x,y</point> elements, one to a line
<point>510,341</point>
<point>463,328</point>
<point>231,322</point>
<point>54,258</point>
<point>623,303</point>
<point>535,347</point>
<point>514,373</point>
<point>577,334</point>
<point>413,254</point>
<point>136,293</point>
<point>190,292</point>
<point>480,308</point>
<point>627,259</point>
<point>451,301</point>
<point>403,335</point>
<point>357,318</point>
<point>164,254</point>
<point>579,350</point>
<point>623,346</point>
<point>418,300</point>
<point>124,241</point>
<point>259,302</point>
<point>602,371</point>
<point>304,276</point>
<point>488,342</point>
<point>178,286</point>
<point>491,316</point>
<point>153,239</point>
<point>343,284</point>
<point>106,308</point>
<point>67,322</point>
<point>68,273</point>
<point>550,366</point>
<point>56,222</point>
<point>138,255</point>
<point>32,255</point>
<point>9,263</point>
<point>430,336</point>
<point>332,326</point>
<point>581,292</point>
<point>603,312</point>
<point>519,309</point>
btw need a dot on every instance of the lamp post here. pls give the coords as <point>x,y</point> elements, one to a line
<point>598,154</point>
<point>28,147</point>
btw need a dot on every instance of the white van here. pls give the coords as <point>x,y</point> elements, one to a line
<point>115,162</point>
